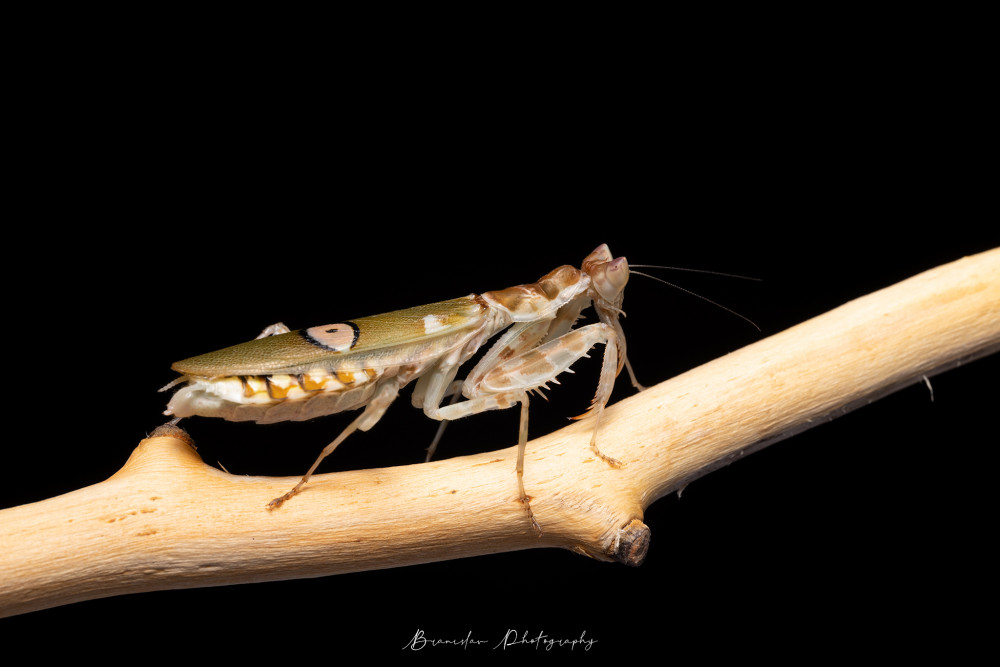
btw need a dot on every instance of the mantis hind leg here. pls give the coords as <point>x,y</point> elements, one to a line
<point>373,412</point>
<point>274,330</point>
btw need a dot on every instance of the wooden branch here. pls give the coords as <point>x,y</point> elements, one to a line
<point>167,520</point>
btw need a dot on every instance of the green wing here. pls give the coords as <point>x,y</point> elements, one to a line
<point>377,341</point>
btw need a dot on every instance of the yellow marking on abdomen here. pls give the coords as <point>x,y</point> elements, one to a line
<point>286,387</point>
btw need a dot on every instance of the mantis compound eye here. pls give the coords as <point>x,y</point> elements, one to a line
<point>610,278</point>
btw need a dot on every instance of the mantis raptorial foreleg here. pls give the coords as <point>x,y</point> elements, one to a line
<point>432,389</point>
<point>507,383</point>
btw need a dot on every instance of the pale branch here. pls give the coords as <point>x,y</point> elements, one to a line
<point>167,520</point>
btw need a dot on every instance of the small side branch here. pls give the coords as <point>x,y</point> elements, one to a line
<point>166,520</point>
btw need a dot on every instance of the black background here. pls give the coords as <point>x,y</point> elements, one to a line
<point>171,206</point>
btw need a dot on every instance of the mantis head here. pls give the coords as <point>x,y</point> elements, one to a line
<point>608,276</point>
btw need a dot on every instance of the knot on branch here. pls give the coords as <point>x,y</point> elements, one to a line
<point>632,543</point>
<point>169,430</point>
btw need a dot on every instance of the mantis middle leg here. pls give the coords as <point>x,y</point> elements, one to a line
<point>508,376</point>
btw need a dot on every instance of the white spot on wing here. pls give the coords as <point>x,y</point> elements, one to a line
<point>433,324</point>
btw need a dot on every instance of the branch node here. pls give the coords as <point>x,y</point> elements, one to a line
<point>169,430</point>
<point>632,543</point>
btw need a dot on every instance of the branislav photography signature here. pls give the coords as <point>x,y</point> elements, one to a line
<point>509,639</point>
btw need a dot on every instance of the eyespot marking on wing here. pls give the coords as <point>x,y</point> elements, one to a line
<point>338,337</point>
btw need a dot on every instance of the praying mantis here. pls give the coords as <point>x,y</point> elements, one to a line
<point>365,362</point>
